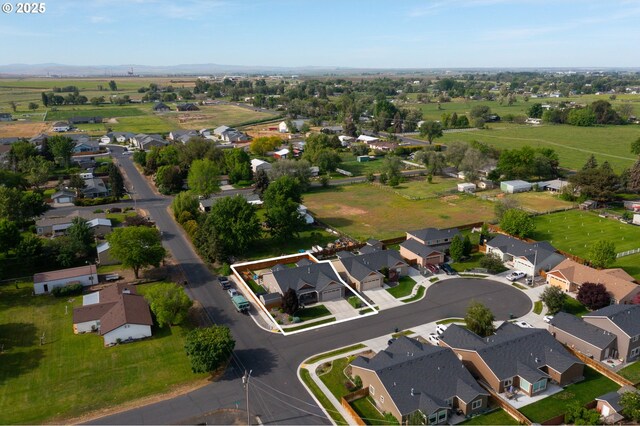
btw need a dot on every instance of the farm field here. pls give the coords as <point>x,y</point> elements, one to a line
<point>573,231</point>
<point>540,202</point>
<point>73,374</point>
<point>573,144</point>
<point>212,116</point>
<point>65,113</point>
<point>366,211</point>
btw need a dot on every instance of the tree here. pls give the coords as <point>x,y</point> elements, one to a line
<point>391,166</point>
<point>492,263</point>
<point>116,181</point>
<point>633,183</point>
<point>328,160</point>
<point>290,301</point>
<point>20,152</point>
<point>480,319</point>
<point>517,222</point>
<point>456,250</point>
<point>184,202</point>
<point>298,169</point>
<point>203,177</point>
<point>577,414</point>
<point>45,99</point>
<point>33,106</point>
<point>168,179</point>
<point>9,235</point>
<point>583,117</point>
<point>554,298</point>
<point>13,106</point>
<point>283,217</point>
<point>261,180</point>
<point>29,250</point>
<point>593,296</point>
<point>168,302</point>
<point>630,403</point>
<point>113,86</point>
<point>466,245</point>
<point>80,236</point>
<point>597,182</point>
<point>76,182</point>
<point>61,147</point>
<point>237,164</point>
<point>209,348</point>
<point>37,171</point>
<point>602,253</point>
<point>480,111</point>
<point>136,247</point>
<point>635,147</point>
<point>285,187</point>
<point>20,207</point>
<point>431,130</point>
<point>535,110</point>
<point>264,144</point>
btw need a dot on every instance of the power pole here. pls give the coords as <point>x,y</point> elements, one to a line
<point>245,382</point>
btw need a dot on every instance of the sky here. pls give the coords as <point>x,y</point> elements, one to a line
<point>334,33</point>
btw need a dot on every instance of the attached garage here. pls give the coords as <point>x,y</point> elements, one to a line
<point>370,282</point>
<point>331,294</point>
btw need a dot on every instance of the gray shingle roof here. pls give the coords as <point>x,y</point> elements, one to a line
<point>613,398</point>
<point>317,276</point>
<point>362,265</point>
<point>431,234</point>
<point>417,247</point>
<point>434,373</point>
<point>627,317</point>
<point>582,330</point>
<point>542,252</point>
<point>513,350</point>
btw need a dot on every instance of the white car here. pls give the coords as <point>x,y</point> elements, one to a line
<point>523,324</point>
<point>233,292</point>
<point>433,339</point>
<point>440,328</point>
<point>516,275</point>
<point>548,318</point>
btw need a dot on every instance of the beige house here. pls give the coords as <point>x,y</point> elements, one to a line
<point>624,322</point>
<point>56,226</point>
<point>570,275</point>
<point>417,381</point>
<point>364,270</point>
<point>583,337</point>
<point>420,254</point>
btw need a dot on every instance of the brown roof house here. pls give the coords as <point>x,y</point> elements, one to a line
<point>364,270</point>
<point>427,246</point>
<point>117,313</point>
<point>581,336</point>
<point>44,282</point>
<point>570,275</point>
<point>608,405</point>
<point>419,383</point>
<point>528,359</point>
<point>624,322</point>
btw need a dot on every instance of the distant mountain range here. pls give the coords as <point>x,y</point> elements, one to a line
<point>54,70</point>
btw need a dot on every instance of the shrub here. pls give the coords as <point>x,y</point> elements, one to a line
<point>357,381</point>
<point>67,290</point>
<point>94,201</point>
<point>98,211</point>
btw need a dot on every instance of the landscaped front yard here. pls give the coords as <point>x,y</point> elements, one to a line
<point>403,288</point>
<point>73,374</point>
<point>583,392</point>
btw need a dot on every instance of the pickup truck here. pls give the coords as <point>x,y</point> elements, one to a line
<point>240,303</point>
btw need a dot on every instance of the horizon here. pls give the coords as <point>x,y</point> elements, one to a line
<point>285,34</point>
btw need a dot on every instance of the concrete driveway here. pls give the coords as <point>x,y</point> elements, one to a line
<point>383,298</point>
<point>341,309</point>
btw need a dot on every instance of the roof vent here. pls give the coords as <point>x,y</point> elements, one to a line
<point>126,291</point>
<point>412,394</point>
<point>394,384</point>
<point>537,359</point>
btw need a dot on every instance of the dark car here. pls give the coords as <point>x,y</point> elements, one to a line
<point>224,282</point>
<point>114,210</point>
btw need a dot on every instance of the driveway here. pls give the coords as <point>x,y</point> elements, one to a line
<point>341,309</point>
<point>382,298</point>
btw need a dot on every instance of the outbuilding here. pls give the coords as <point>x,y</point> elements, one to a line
<point>467,187</point>
<point>45,282</point>
<point>514,186</point>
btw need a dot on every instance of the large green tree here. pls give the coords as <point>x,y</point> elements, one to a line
<point>80,236</point>
<point>9,235</point>
<point>37,171</point>
<point>19,206</point>
<point>116,181</point>
<point>168,302</point>
<point>184,202</point>
<point>203,177</point>
<point>62,148</point>
<point>517,222</point>
<point>431,130</point>
<point>209,348</point>
<point>456,250</point>
<point>554,298</point>
<point>602,253</point>
<point>136,247</point>
<point>480,319</point>
<point>630,402</point>
<point>168,179</point>
<point>238,165</point>
<point>297,169</point>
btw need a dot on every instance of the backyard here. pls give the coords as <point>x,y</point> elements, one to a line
<point>421,188</point>
<point>539,202</point>
<point>631,372</point>
<point>73,374</point>
<point>365,211</point>
<point>269,247</point>
<point>498,417</point>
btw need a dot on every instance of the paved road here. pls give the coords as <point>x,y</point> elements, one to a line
<point>275,392</point>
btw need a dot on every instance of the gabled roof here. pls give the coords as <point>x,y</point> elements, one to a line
<point>99,222</point>
<point>433,373</point>
<point>626,317</point>
<point>513,350</point>
<point>101,248</point>
<point>61,274</point>
<point>315,276</point>
<point>431,234</point>
<point>362,265</point>
<point>417,248</point>
<point>582,330</point>
<point>63,193</point>
<point>160,106</point>
<point>542,252</point>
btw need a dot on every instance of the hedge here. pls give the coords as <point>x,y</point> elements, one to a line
<point>67,290</point>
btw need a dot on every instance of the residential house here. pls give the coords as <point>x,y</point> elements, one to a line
<point>56,226</point>
<point>117,313</point>
<point>345,140</point>
<point>257,164</point>
<point>283,128</point>
<point>570,275</point>
<point>332,130</point>
<point>161,107</point>
<point>633,205</point>
<point>467,187</point>
<point>85,120</point>
<point>104,254</point>
<point>60,126</point>
<point>412,380</point>
<point>367,139</point>
<point>312,282</point>
<point>45,282</point>
<point>187,107</point>
<point>556,185</point>
<point>383,146</point>
<point>86,146</point>
<point>439,238</point>
<point>515,186</point>
<point>588,205</point>
<point>145,142</point>
<point>624,322</point>
<point>420,254</point>
<point>5,116</point>
<point>94,188</point>
<point>205,205</point>
<point>182,135</point>
<point>364,271</point>
<point>229,134</point>
<point>583,337</point>
<point>608,405</point>
<point>529,258</point>
<point>39,139</point>
<point>528,359</point>
<point>119,137</point>
<point>283,153</point>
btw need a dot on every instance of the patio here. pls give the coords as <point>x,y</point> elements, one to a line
<point>521,399</point>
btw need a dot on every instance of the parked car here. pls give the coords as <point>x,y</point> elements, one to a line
<point>112,277</point>
<point>390,341</point>
<point>516,275</point>
<point>448,269</point>
<point>233,292</point>
<point>523,324</point>
<point>548,318</point>
<point>224,282</point>
<point>433,339</point>
<point>440,328</point>
<point>114,210</point>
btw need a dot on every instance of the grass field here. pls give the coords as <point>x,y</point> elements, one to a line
<point>268,247</point>
<point>573,144</point>
<point>422,189</point>
<point>631,372</point>
<point>540,202</point>
<point>351,164</point>
<point>65,113</point>
<point>365,211</point>
<point>73,374</point>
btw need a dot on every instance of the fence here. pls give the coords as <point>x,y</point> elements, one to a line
<point>628,252</point>
<point>559,419</point>
<point>510,409</point>
<point>605,371</point>
<point>344,172</point>
<point>345,401</point>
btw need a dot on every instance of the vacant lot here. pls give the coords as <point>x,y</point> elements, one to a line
<point>367,211</point>
<point>65,113</point>
<point>540,202</point>
<point>574,231</point>
<point>421,188</point>
<point>213,116</point>
<point>573,144</point>
<point>22,129</point>
<point>73,374</point>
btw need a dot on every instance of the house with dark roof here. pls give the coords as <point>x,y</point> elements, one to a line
<point>5,116</point>
<point>428,245</point>
<point>117,313</point>
<point>514,357</point>
<point>161,107</point>
<point>187,107</point>
<point>529,258</point>
<point>60,126</point>
<point>85,120</point>
<point>229,134</point>
<point>624,322</point>
<point>312,282</point>
<point>95,187</point>
<point>413,380</point>
<point>434,237</point>
<point>581,336</point>
<point>182,135</point>
<point>145,142</point>
<point>364,270</point>
<point>608,405</point>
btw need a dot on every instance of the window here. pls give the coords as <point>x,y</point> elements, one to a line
<point>372,390</point>
<point>433,418</point>
<point>449,401</point>
<point>476,404</point>
<point>382,399</point>
<point>635,339</point>
<point>442,416</point>
<point>539,385</point>
<point>508,382</point>
<point>634,352</point>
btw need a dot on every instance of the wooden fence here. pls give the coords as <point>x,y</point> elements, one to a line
<point>347,399</point>
<point>605,371</point>
<point>510,409</point>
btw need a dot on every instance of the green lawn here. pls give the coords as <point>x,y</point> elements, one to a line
<point>142,124</point>
<point>317,392</point>
<point>631,372</point>
<point>335,378</point>
<point>573,307</point>
<point>419,295</point>
<point>367,412</point>
<point>314,312</point>
<point>631,264</point>
<point>498,417</point>
<point>312,324</point>
<point>65,113</point>
<point>583,392</point>
<point>422,189</point>
<point>537,307</point>
<point>350,163</point>
<point>472,263</point>
<point>404,287</point>
<point>73,374</point>
<point>334,353</point>
<point>365,211</point>
<point>311,236</point>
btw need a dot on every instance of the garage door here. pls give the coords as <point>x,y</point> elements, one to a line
<point>371,284</point>
<point>331,294</point>
<point>64,200</point>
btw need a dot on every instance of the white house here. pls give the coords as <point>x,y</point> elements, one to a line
<point>345,140</point>
<point>467,187</point>
<point>367,139</point>
<point>283,128</point>
<point>257,164</point>
<point>61,126</point>
<point>44,282</point>
<point>117,313</point>
<point>514,186</point>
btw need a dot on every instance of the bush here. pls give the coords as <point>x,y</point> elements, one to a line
<point>81,202</point>
<point>98,211</point>
<point>67,290</point>
<point>357,381</point>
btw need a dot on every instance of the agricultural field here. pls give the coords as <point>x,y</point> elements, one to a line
<point>573,144</point>
<point>365,211</point>
<point>539,202</point>
<point>73,374</point>
<point>66,112</point>
<point>573,231</point>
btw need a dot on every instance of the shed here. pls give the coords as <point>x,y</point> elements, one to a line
<point>271,300</point>
<point>44,282</point>
<point>104,254</point>
<point>588,205</point>
<point>467,187</point>
<point>363,158</point>
<point>514,186</point>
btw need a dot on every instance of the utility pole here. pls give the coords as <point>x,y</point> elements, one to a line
<point>245,382</point>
